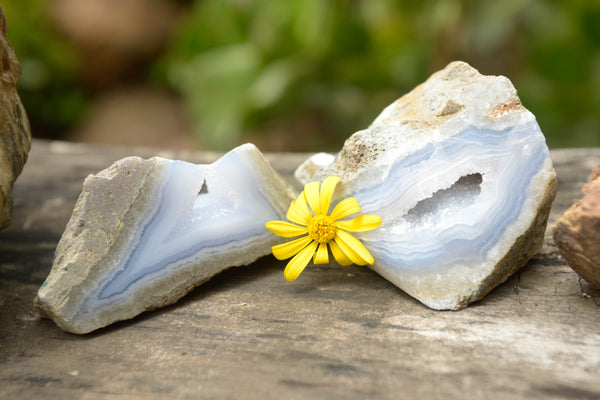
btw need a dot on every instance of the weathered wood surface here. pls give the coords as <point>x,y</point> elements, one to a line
<point>334,333</point>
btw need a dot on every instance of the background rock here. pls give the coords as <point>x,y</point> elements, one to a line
<point>115,38</point>
<point>15,136</point>
<point>136,114</point>
<point>577,232</point>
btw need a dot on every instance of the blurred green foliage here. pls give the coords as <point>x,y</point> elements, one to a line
<point>48,88</point>
<point>247,63</point>
<point>243,63</point>
<point>266,66</point>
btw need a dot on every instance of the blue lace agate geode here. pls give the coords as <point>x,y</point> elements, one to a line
<point>461,176</point>
<point>145,232</point>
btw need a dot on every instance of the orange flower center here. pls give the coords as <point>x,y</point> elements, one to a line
<point>321,228</point>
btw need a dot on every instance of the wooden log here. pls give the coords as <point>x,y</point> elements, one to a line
<point>334,333</point>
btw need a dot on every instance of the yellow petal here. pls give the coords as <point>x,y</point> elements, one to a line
<point>360,224</point>
<point>299,262</point>
<point>286,250</point>
<point>285,229</point>
<point>353,247</point>
<point>339,255</point>
<point>348,252</point>
<point>302,206</point>
<point>321,255</point>
<point>293,214</point>
<point>327,188</point>
<point>345,207</point>
<point>311,194</point>
<point>298,211</point>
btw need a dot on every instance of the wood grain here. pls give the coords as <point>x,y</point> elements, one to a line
<point>336,332</point>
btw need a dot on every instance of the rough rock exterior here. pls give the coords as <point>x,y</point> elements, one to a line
<point>15,136</point>
<point>577,232</point>
<point>461,175</point>
<point>145,232</point>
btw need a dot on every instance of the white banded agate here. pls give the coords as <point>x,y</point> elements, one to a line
<point>145,232</point>
<point>461,176</point>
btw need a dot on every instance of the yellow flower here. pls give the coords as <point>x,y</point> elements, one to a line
<point>320,229</point>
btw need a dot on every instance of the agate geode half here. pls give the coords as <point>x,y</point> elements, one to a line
<point>145,232</point>
<point>461,176</point>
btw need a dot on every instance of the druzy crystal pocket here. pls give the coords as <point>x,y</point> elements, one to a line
<point>461,176</point>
